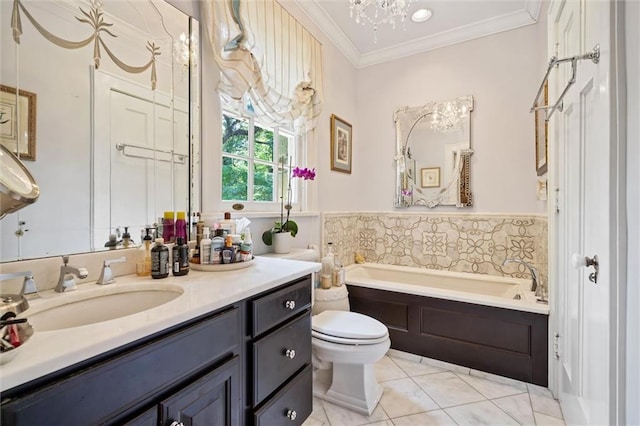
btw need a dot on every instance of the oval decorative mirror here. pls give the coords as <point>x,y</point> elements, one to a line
<point>433,150</point>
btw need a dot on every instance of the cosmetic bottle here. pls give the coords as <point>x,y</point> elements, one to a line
<point>181,226</point>
<point>228,252</point>
<point>205,247</point>
<point>159,260</point>
<point>228,224</point>
<point>168,227</point>
<point>180,258</point>
<point>328,265</point>
<point>217,244</point>
<point>143,256</point>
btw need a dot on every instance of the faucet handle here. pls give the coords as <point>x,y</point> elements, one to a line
<point>65,260</point>
<point>106,275</point>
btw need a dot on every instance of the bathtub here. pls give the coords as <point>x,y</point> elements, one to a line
<point>487,323</point>
<point>501,292</point>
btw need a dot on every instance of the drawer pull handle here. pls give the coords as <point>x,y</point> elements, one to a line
<point>290,353</point>
<point>290,304</point>
<point>291,414</point>
<point>177,424</point>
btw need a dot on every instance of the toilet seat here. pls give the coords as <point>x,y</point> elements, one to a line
<point>349,328</point>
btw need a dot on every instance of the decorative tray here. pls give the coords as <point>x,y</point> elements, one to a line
<point>221,267</point>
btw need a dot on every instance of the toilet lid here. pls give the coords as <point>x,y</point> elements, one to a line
<point>349,325</point>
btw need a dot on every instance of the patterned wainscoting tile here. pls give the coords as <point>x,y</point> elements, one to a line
<point>456,242</point>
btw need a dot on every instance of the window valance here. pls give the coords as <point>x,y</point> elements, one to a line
<point>265,54</point>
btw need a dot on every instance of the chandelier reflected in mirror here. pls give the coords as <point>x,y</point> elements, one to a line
<point>186,52</point>
<point>378,12</point>
<point>447,116</point>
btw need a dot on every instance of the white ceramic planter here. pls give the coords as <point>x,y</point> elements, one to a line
<point>281,242</point>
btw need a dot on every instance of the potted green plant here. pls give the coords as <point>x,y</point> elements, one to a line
<point>279,235</point>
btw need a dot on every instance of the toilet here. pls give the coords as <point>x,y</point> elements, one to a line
<point>345,346</point>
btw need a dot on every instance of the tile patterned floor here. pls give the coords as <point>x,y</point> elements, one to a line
<point>420,391</point>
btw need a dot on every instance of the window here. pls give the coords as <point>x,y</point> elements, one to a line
<point>252,156</point>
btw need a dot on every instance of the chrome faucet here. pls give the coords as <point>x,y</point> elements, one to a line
<point>28,286</point>
<point>106,276</point>
<point>535,281</point>
<point>66,282</point>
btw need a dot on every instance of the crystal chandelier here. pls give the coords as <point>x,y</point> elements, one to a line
<point>186,52</point>
<point>378,12</point>
<point>447,116</point>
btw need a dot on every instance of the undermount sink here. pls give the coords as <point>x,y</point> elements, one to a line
<point>97,305</point>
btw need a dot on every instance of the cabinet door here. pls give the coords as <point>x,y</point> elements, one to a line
<point>212,400</point>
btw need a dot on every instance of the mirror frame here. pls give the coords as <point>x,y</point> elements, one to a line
<point>408,117</point>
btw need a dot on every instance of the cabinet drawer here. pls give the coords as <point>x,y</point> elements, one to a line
<point>278,355</point>
<point>291,406</point>
<point>114,389</point>
<point>273,308</point>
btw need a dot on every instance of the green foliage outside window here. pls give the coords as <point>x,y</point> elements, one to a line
<point>237,159</point>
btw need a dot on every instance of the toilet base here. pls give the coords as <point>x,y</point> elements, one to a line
<point>353,386</point>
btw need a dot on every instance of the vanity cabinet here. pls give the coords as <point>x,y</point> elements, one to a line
<point>279,352</point>
<point>167,375</point>
<point>248,363</point>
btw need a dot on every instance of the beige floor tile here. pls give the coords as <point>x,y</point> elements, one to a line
<point>340,416</point>
<point>518,407</point>
<point>480,413</point>
<point>542,401</point>
<point>413,368</point>
<point>446,365</point>
<point>543,420</point>
<point>492,389</point>
<point>447,389</point>
<point>402,397</point>
<point>387,369</point>
<point>393,353</point>
<point>431,418</point>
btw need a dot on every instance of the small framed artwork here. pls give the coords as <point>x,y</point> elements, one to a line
<point>430,177</point>
<point>542,133</point>
<point>18,122</point>
<point>341,144</point>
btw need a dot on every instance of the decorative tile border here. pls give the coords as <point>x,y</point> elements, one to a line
<point>477,243</point>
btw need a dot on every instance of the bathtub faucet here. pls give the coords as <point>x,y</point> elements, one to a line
<point>535,283</point>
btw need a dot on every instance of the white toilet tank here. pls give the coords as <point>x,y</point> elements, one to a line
<point>334,298</point>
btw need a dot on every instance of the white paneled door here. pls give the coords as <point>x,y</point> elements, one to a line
<point>584,364</point>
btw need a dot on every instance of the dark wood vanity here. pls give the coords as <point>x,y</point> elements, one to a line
<point>247,363</point>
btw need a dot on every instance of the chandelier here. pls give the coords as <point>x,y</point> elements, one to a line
<point>378,12</point>
<point>447,116</point>
<point>186,52</point>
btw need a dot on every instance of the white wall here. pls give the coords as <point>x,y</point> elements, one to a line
<point>502,72</point>
<point>632,15</point>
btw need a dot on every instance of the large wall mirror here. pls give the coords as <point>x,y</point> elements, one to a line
<point>433,150</point>
<point>115,127</point>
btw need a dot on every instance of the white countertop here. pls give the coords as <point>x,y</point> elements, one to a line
<point>48,351</point>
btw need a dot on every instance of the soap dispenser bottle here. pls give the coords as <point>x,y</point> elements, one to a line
<point>143,257</point>
<point>126,238</point>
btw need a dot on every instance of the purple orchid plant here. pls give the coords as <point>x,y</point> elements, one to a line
<point>288,225</point>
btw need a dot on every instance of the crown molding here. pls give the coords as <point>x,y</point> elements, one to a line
<point>458,35</point>
<point>329,28</point>
<point>526,16</point>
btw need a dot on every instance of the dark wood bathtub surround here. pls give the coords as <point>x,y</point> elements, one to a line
<point>495,340</point>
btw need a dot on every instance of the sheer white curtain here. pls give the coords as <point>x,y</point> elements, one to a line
<point>265,54</point>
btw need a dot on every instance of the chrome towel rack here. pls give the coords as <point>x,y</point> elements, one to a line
<point>594,55</point>
<point>178,158</point>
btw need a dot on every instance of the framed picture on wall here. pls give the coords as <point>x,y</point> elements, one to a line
<point>430,177</point>
<point>542,133</point>
<point>341,144</point>
<point>18,122</point>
